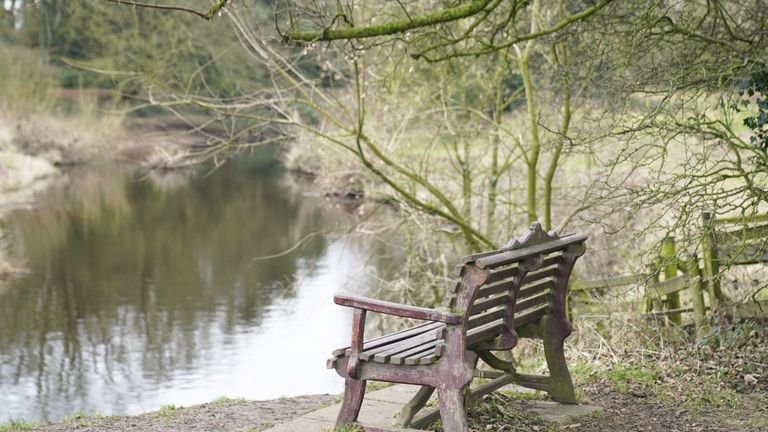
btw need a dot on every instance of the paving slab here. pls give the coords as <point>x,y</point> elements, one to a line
<point>399,394</point>
<point>381,408</point>
<point>302,424</point>
<point>555,412</point>
<point>372,411</point>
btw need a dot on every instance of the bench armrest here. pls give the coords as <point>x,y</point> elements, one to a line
<point>397,309</point>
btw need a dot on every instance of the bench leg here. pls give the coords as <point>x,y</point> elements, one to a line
<point>453,411</point>
<point>354,391</point>
<point>561,385</point>
<point>415,405</point>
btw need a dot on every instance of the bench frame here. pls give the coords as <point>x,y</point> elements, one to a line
<point>456,366</point>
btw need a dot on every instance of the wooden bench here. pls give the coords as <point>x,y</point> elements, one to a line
<point>499,296</point>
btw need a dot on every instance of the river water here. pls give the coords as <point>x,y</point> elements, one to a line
<point>143,290</point>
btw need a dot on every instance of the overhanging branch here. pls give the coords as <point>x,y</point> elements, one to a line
<point>207,15</point>
<point>391,27</point>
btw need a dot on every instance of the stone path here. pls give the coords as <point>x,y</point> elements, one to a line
<point>382,407</point>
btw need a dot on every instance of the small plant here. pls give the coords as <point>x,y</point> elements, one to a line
<point>529,395</point>
<point>168,410</point>
<point>224,400</point>
<point>17,425</point>
<point>345,428</point>
<point>624,377</point>
<point>378,385</point>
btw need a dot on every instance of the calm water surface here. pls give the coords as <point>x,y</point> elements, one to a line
<point>143,291</point>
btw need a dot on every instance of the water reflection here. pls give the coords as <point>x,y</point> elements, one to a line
<point>143,291</point>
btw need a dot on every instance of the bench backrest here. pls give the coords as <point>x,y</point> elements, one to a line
<point>498,291</point>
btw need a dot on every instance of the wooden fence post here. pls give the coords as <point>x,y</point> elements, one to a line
<point>668,255</point>
<point>697,295</point>
<point>651,300</point>
<point>709,255</point>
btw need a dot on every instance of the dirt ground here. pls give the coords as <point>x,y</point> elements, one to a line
<point>230,415</point>
<point>623,412</point>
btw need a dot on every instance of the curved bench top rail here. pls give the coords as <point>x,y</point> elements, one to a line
<point>506,257</point>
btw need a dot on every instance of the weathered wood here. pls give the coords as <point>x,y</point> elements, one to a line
<point>539,275</point>
<point>487,304</point>
<point>510,272</point>
<point>669,260</point>
<point>536,382</point>
<point>741,219</point>
<point>533,301</point>
<point>533,289</point>
<point>482,319</point>
<point>697,296</point>
<point>354,391</point>
<point>611,282</point>
<point>522,287</point>
<point>743,254</point>
<point>392,337</point>
<point>747,310</point>
<point>397,309</point>
<point>667,312</point>
<point>711,268</point>
<point>415,405</point>
<point>473,396</point>
<point>745,233</point>
<point>358,335</point>
<point>510,257</point>
<point>530,316</point>
<point>382,354</point>
<point>669,286</point>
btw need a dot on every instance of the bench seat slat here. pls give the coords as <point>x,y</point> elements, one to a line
<point>382,354</point>
<point>393,337</point>
<point>412,356</point>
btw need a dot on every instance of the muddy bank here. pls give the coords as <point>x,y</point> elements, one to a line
<point>223,415</point>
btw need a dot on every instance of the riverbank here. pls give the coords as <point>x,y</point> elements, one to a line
<point>602,407</point>
<point>37,148</point>
<point>222,415</point>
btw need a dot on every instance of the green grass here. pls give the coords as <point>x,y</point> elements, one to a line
<point>224,401</point>
<point>533,395</point>
<point>709,392</point>
<point>377,385</point>
<point>17,425</point>
<point>81,419</point>
<point>759,421</point>
<point>345,428</point>
<point>169,410</point>
<point>625,377</point>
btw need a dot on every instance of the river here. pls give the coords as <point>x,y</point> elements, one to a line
<point>146,290</point>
